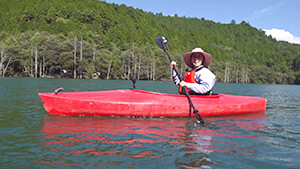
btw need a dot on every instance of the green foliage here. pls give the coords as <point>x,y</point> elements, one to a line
<point>118,43</point>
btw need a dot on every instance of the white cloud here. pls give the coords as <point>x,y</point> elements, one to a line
<point>260,13</point>
<point>282,35</point>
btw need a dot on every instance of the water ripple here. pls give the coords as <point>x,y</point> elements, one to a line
<point>30,138</point>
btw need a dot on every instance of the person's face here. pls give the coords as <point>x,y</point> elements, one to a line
<point>197,59</point>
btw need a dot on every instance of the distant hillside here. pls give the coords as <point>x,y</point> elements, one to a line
<point>46,38</point>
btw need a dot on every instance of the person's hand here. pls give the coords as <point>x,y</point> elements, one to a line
<point>183,84</point>
<point>173,63</point>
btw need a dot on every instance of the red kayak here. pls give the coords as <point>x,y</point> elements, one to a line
<point>138,103</point>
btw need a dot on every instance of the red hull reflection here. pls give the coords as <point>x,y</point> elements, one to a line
<point>147,138</point>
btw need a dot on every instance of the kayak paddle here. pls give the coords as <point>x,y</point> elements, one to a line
<point>162,42</point>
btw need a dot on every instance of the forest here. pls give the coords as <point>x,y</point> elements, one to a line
<point>95,39</point>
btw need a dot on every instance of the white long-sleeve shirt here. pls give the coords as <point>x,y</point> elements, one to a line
<point>205,80</point>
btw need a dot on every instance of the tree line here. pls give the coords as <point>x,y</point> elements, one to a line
<point>40,54</point>
<point>94,39</point>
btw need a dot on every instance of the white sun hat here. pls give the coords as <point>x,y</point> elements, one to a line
<point>206,56</point>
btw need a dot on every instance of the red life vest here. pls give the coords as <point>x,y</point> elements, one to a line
<point>188,77</point>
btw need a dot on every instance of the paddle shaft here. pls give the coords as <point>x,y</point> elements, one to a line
<point>199,118</point>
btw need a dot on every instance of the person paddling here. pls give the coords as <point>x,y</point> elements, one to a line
<point>200,80</point>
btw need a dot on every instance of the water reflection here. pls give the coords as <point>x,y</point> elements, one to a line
<point>119,141</point>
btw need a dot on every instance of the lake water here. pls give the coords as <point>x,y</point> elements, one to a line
<point>30,138</point>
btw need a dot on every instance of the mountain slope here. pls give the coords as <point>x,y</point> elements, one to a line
<point>239,44</point>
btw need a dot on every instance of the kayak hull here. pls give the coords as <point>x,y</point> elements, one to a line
<point>138,103</point>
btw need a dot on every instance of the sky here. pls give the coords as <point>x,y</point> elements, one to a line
<point>279,18</point>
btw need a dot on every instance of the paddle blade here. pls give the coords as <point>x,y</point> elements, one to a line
<point>199,118</point>
<point>162,42</point>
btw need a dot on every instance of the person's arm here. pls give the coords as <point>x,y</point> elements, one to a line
<point>175,78</point>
